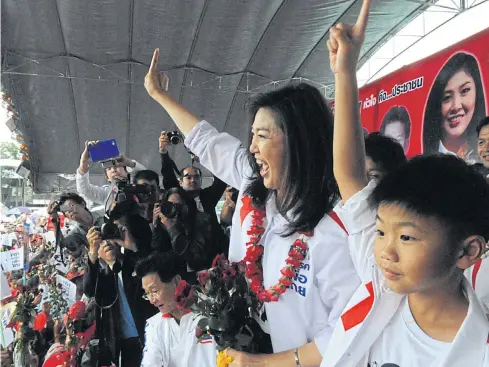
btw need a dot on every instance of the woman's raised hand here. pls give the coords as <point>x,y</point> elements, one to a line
<point>345,42</point>
<point>155,81</point>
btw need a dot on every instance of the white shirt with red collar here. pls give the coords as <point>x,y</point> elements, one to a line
<point>309,310</point>
<point>368,316</point>
<point>169,344</point>
<point>478,276</point>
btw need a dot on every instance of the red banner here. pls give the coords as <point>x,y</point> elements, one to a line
<point>435,104</point>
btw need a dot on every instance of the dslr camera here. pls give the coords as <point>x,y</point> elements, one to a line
<point>144,194</point>
<point>110,231</point>
<point>172,210</point>
<point>175,137</point>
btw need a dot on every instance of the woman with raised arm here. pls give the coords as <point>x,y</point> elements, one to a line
<point>294,245</point>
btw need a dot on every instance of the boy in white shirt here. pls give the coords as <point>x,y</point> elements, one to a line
<point>412,236</point>
<point>170,334</point>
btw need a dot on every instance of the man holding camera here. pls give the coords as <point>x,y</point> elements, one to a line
<point>191,179</point>
<point>114,250</point>
<point>118,171</point>
<point>74,207</point>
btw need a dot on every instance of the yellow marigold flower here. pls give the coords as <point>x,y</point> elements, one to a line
<point>223,360</point>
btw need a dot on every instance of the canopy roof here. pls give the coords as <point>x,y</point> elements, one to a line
<point>75,69</point>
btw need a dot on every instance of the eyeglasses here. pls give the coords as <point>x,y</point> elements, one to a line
<point>151,295</point>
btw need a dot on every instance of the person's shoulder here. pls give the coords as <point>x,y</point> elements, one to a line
<point>155,320</point>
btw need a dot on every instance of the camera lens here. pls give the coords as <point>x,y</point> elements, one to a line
<point>110,231</point>
<point>174,137</point>
<point>169,210</point>
<point>175,140</point>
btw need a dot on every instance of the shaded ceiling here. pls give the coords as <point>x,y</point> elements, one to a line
<point>75,69</point>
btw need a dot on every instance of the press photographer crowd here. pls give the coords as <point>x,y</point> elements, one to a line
<point>332,248</point>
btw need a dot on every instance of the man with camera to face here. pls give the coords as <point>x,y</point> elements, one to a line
<point>74,207</point>
<point>116,172</point>
<point>114,250</point>
<point>190,177</point>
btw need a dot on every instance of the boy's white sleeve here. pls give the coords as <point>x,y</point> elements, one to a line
<point>220,153</point>
<point>359,219</point>
<point>155,353</point>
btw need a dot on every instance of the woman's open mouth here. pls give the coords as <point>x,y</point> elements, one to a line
<point>264,168</point>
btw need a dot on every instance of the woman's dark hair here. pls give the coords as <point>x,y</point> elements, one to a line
<point>440,186</point>
<point>161,240</point>
<point>432,125</point>
<point>482,123</point>
<point>163,264</point>
<point>384,151</point>
<point>397,113</point>
<point>308,188</point>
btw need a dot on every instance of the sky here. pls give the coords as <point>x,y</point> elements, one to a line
<point>456,29</point>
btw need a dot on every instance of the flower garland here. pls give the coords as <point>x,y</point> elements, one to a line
<point>254,255</point>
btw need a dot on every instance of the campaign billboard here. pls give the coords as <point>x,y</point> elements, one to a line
<point>435,104</point>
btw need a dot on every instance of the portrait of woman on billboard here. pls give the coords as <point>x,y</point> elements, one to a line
<point>396,124</point>
<point>455,105</point>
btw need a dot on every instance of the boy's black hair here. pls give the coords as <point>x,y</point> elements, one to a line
<point>443,187</point>
<point>384,151</point>
<point>73,197</point>
<point>163,264</point>
<point>482,123</point>
<point>148,175</point>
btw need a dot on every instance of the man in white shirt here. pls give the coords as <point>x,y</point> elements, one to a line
<point>103,194</point>
<point>170,339</point>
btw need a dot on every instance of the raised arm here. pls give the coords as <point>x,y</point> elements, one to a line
<point>167,165</point>
<point>89,191</point>
<point>344,45</point>
<point>183,118</point>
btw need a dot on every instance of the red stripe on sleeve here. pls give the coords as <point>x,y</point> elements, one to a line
<point>338,221</point>
<point>357,314</point>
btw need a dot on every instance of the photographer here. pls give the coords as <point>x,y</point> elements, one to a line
<point>186,232</point>
<point>191,180</point>
<point>74,207</point>
<point>114,250</point>
<point>150,178</point>
<point>118,171</point>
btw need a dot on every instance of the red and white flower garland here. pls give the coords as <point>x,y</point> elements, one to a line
<point>254,256</point>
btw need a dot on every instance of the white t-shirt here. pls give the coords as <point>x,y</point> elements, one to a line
<point>169,344</point>
<point>404,344</point>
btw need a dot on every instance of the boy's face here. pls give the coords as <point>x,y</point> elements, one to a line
<point>412,251</point>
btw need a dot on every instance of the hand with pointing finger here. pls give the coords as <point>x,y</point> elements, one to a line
<point>345,42</point>
<point>155,82</point>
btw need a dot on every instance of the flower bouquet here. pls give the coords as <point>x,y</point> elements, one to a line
<point>23,319</point>
<point>227,308</point>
